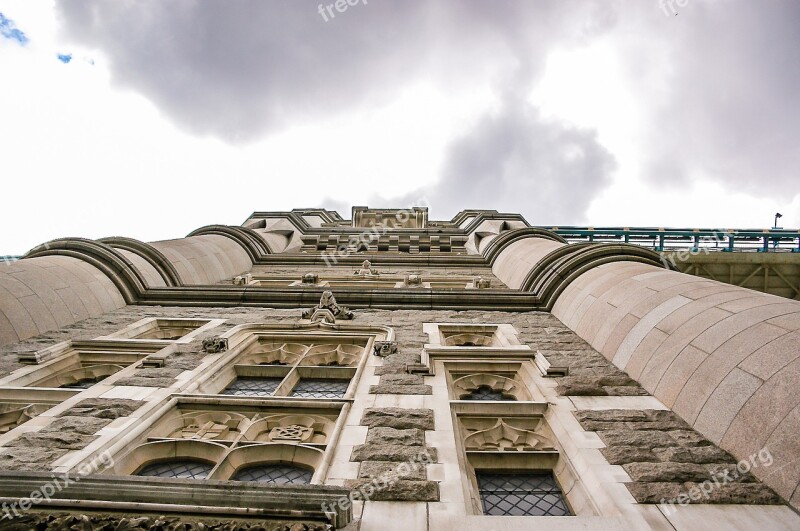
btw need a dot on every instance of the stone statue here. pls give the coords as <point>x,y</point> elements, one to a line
<point>366,269</point>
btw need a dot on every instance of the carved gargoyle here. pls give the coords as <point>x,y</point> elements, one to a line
<point>328,302</point>
<point>384,348</point>
<point>214,345</point>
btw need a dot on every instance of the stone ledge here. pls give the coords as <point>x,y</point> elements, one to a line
<point>86,520</point>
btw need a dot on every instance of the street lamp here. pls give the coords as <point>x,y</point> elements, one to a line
<point>778,215</point>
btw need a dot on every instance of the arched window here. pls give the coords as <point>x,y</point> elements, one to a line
<point>177,468</point>
<point>276,474</point>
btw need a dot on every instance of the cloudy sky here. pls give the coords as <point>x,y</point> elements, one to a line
<point>149,119</point>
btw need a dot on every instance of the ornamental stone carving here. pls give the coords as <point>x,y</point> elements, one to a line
<point>327,302</point>
<point>366,270</point>
<point>214,345</point>
<point>384,348</point>
<point>504,437</point>
<point>293,432</point>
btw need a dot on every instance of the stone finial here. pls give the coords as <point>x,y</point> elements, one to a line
<point>366,269</point>
<point>481,283</point>
<point>213,345</point>
<point>310,278</point>
<point>327,303</point>
<point>384,348</point>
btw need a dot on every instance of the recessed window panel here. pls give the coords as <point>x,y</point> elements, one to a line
<point>520,494</point>
<point>317,388</point>
<point>177,469</point>
<point>279,474</point>
<point>253,386</point>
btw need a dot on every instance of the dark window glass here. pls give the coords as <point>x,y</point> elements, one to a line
<point>320,388</point>
<point>504,494</point>
<point>277,474</point>
<point>183,468</point>
<point>253,387</point>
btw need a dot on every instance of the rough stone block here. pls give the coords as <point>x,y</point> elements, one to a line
<point>403,379</point>
<point>698,455</point>
<point>103,408</point>
<point>399,418</point>
<point>642,439</point>
<point>621,455</point>
<point>393,452</point>
<point>408,437</point>
<point>688,438</point>
<point>392,389</point>
<point>70,433</point>
<point>401,490</point>
<point>666,472</point>
<point>371,469</point>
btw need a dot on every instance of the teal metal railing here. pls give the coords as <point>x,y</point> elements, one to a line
<point>667,239</point>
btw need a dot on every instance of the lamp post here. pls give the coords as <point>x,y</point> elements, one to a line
<point>778,215</point>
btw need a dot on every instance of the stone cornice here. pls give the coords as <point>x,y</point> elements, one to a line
<point>186,496</point>
<point>121,271</point>
<point>248,239</point>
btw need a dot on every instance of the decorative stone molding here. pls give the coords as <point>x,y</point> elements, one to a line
<point>509,389</point>
<point>505,437</point>
<point>217,499</point>
<point>328,302</point>
<point>214,345</point>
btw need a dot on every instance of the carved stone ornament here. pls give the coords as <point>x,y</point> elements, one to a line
<point>504,437</point>
<point>243,280</point>
<point>413,281</point>
<point>294,432</point>
<point>481,283</point>
<point>310,278</point>
<point>214,345</point>
<point>205,430</point>
<point>366,270</point>
<point>328,302</point>
<point>384,348</point>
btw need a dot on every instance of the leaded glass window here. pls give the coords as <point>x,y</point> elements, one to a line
<point>253,386</point>
<point>521,494</point>
<point>316,388</point>
<point>181,468</point>
<point>277,474</point>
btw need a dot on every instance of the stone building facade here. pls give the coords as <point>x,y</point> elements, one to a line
<point>303,371</point>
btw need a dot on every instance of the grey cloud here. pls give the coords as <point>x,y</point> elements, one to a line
<point>239,69</point>
<point>515,161</point>
<point>731,109</point>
